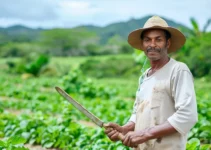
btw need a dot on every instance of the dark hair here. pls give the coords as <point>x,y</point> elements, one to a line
<point>167,34</point>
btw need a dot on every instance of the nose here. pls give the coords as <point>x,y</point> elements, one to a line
<point>152,43</point>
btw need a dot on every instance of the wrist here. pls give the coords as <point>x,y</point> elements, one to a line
<point>149,134</point>
<point>128,127</point>
<point>124,130</point>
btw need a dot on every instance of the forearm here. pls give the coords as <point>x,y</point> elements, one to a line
<point>160,130</point>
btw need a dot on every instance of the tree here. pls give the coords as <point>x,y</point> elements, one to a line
<point>64,42</point>
<point>196,52</point>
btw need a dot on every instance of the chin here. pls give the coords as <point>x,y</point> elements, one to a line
<point>153,58</point>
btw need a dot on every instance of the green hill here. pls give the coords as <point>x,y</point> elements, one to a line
<point>124,28</point>
<point>19,33</point>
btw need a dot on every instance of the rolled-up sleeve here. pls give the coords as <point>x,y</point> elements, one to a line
<point>132,118</point>
<point>133,115</point>
<point>183,93</point>
<point>136,103</point>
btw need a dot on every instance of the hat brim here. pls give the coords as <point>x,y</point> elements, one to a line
<point>177,38</point>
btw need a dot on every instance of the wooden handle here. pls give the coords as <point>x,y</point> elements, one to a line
<point>121,136</point>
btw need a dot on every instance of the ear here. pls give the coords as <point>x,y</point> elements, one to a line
<point>168,43</point>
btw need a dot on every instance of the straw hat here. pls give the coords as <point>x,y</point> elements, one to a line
<point>155,22</point>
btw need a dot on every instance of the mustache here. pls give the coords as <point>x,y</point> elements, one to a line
<point>153,49</point>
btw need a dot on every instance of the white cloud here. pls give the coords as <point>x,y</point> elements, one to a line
<point>77,8</point>
<point>69,13</point>
<point>28,10</point>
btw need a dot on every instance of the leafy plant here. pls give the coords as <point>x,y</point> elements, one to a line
<point>13,143</point>
<point>76,82</point>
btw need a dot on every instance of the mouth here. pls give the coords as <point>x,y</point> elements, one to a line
<point>153,51</point>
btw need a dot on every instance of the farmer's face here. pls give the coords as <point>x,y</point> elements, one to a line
<point>155,44</point>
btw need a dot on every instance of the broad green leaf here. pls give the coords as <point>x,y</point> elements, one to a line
<point>193,144</point>
<point>1,134</point>
<point>2,143</point>
<point>24,123</point>
<point>20,148</point>
<point>26,135</point>
<point>205,134</point>
<point>16,140</point>
<point>32,141</point>
<point>205,147</point>
<point>48,144</point>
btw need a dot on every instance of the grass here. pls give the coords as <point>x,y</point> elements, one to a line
<point>77,60</point>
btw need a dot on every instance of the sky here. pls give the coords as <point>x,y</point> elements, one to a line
<point>71,13</point>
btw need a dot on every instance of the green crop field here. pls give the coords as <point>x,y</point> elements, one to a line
<point>33,113</point>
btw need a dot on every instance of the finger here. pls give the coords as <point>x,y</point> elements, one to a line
<point>106,125</point>
<point>115,136</point>
<point>112,133</point>
<point>129,143</point>
<point>126,140</point>
<point>108,130</point>
<point>111,125</point>
<point>133,142</point>
<point>137,140</point>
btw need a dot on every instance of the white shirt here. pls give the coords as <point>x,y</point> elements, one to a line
<point>179,87</point>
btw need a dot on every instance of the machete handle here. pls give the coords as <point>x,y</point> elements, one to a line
<point>120,135</point>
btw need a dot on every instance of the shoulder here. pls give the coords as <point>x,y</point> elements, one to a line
<point>179,66</point>
<point>181,69</point>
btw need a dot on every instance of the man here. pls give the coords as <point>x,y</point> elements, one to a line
<point>165,107</point>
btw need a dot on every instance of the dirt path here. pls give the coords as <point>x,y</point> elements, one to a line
<point>35,147</point>
<point>87,123</point>
<point>22,111</point>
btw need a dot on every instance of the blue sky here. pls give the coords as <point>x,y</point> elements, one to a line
<point>71,13</point>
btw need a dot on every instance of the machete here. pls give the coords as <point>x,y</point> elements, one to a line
<point>83,110</point>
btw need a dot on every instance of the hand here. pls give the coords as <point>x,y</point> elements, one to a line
<point>134,138</point>
<point>112,130</point>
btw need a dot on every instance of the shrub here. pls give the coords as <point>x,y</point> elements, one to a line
<point>110,67</point>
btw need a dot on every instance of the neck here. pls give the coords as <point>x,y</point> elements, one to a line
<point>157,64</point>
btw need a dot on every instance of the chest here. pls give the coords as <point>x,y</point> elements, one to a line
<point>150,87</point>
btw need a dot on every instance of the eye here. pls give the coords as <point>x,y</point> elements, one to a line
<point>159,40</point>
<point>146,39</point>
